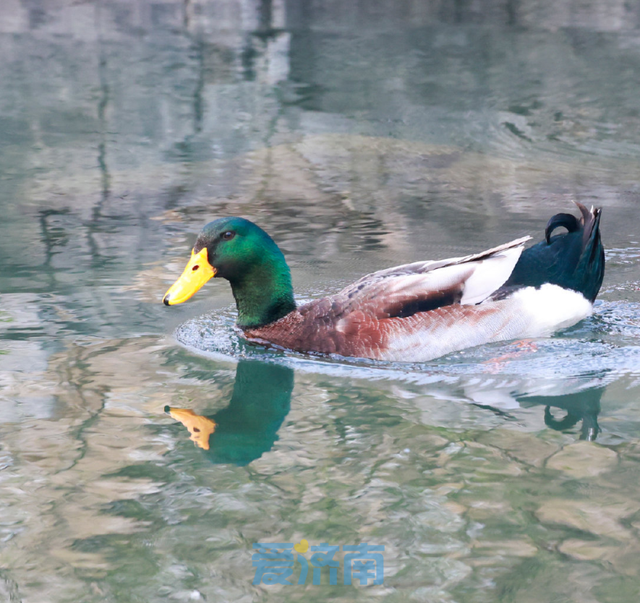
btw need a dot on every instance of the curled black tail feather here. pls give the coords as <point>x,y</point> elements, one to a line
<point>569,221</point>
<point>572,260</point>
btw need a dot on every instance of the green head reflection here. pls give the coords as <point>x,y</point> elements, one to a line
<point>248,426</point>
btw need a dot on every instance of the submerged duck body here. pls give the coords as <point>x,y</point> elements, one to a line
<point>415,312</point>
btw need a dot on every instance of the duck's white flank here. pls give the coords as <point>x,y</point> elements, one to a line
<point>529,312</point>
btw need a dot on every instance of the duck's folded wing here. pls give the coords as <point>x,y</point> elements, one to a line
<point>422,286</point>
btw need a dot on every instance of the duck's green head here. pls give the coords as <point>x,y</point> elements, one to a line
<point>244,254</point>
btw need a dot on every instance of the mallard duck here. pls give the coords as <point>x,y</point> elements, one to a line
<point>414,312</point>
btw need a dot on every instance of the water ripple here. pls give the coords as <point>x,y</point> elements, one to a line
<point>601,349</point>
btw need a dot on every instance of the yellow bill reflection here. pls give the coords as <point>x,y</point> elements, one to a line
<point>199,427</point>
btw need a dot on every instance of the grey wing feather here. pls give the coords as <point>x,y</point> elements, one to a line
<point>426,285</point>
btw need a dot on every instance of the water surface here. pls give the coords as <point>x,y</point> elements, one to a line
<point>360,136</point>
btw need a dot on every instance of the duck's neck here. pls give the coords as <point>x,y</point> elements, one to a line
<point>263,293</point>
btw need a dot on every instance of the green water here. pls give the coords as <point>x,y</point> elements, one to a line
<point>360,136</point>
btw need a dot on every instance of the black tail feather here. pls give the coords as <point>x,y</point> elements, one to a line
<point>573,260</point>
<point>568,221</point>
<point>590,268</point>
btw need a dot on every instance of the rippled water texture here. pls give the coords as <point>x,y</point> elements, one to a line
<point>360,135</point>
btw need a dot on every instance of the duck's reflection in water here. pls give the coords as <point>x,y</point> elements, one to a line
<point>248,427</point>
<point>579,406</point>
<point>566,402</point>
<point>583,405</point>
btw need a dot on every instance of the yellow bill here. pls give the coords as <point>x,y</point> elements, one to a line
<point>196,274</point>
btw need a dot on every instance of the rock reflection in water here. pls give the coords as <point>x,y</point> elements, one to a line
<point>247,428</point>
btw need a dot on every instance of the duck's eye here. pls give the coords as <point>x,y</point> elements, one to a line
<point>227,236</point>
<point>195,268</point>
